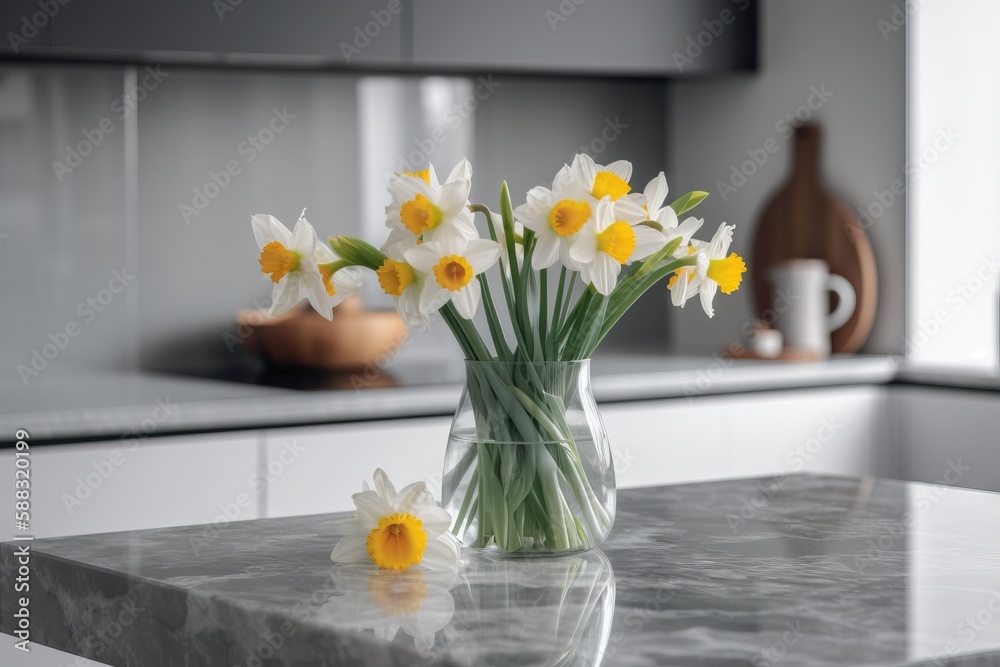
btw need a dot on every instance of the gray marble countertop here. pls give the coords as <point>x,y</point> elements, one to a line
<point>107,406</point>
<point>791,570</point>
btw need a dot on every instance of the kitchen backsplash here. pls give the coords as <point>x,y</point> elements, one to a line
<point>125,192</point>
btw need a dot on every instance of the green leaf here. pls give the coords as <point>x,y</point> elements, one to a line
<point>685,203</point>
<point>652,224</point>
<point>650,262</point>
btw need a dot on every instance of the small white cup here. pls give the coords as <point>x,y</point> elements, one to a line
<point>802,286</point>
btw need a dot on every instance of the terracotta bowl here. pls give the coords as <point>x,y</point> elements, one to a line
<point>355,339</point>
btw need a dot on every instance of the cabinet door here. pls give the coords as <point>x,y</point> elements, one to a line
<point>127,484</point>
<point>351,31</point>
<point>837,430</point>
<point>312,470</point>
<point>637,37</point>
<point>948,436</point>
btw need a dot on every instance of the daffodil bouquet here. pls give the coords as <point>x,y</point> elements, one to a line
<point>572,260</point>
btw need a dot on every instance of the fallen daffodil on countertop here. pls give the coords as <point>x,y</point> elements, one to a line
<point>396,531</point>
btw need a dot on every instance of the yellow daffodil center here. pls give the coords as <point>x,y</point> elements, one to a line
<point>567,217</point>
<point>453,272</point>
<point>419,215</point>
<point>326,273</point>
<point>727,272</point>
<point>423,174</point>
<point>278,261</point>
<point>618,240</point>
<point>398,542</point>
<point>398,593</point>
<point>607,184</point>
<point>394,277</point>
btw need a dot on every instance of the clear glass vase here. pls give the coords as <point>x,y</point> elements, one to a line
<point>528,469</point>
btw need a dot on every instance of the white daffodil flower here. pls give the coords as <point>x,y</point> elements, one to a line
<point>401,281</point>
<point>601,181</point>
<point>713,271</point>
<point>396,531</point>
<point>684,232</point>
<point>556,216</point>
<point>452,265</point>
<point>605,244</point>
<point>654,195</point>
<point>428,209</point>
<point>385,601</point>
<point>288,259</point>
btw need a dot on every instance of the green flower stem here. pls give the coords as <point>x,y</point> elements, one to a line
<point>629,291</point>
<point>569,296</point>
<point>493,320</point>
<point>506,281</point>
<point>543,306</point>
<point>556,310</point>
<point>465,331</point>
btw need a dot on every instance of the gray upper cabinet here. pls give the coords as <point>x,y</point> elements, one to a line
<point>631,37</point>
<point>609,37</point>
<point>356,32</point>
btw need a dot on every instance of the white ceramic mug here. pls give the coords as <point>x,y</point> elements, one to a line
<point>803,285</point>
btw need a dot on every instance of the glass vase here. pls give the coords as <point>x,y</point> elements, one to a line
<point>528,469</point>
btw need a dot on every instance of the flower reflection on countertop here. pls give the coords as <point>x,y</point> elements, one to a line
<point>386,601</point>
<point>396,531</point>
<point>550,611</point>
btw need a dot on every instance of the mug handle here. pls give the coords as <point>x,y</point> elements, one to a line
<point>847,300</point>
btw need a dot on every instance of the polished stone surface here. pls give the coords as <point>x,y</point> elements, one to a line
<point>793,570</point>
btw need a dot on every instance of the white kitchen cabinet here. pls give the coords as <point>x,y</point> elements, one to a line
<point>833,430</point>
<point>120,485</point>
<point>949,436</point>
<point>316,469</point>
